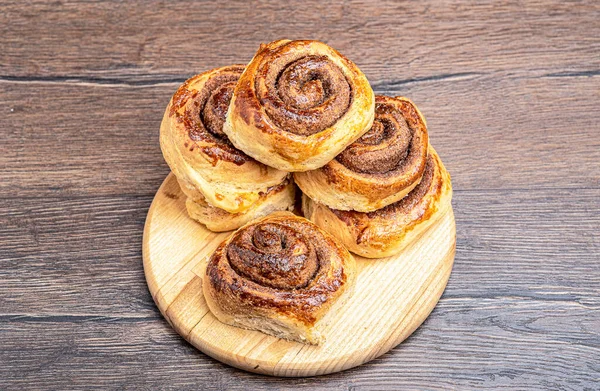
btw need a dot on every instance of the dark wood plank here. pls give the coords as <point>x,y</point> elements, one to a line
<point>79,256</point>
<point>154,41</point>
<point>83,256</point>
<point>492,344</point>
<point>520,311</point>
<point>62,140</point>
<point>492,132</point>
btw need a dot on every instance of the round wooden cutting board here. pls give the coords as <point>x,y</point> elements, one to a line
<point>393,296</point>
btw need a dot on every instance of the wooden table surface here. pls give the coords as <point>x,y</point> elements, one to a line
<point>511,92</point>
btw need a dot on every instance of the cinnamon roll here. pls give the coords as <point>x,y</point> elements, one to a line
<point>379,168</point>
<point>280,197</point>
<point>208,167</point>
<point>281,275</point>
<point>298,104</point>
<point>388,230</point>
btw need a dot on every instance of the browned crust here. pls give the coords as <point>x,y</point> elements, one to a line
<point>183,111</point>
<point>234,293</point>
<point>385,231</point>
<point>252,130</point>
<point>249,107</point>
<point>373,188</point>
<point>198,152</point>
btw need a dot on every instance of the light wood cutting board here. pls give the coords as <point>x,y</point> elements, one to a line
<point>393,296</point>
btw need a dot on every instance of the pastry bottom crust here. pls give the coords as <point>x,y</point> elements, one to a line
<point>278,198</point>
<point>277,325</point>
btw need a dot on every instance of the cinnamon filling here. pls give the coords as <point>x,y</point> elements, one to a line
<point>284,264</point>
<point>411,200</point>
<point>215,110</point>
<point>405,205</point>
<point>206,112</point>
<point>385,147</point>
<point>274,255</point>
<point>301,94</point>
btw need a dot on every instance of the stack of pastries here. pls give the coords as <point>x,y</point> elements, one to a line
<point>239,137</point>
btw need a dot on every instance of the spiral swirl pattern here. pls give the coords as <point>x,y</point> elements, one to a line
<point>380,167</point>
<point>280,262</point>
<point>388,230</point>
<point>206,110</point>
<point>384,146</point>
<point>274,255</point>
<point>211,171</point>
<point>413,200</point>
<point>303,94</point>
<point>298,104</point>
<point>390,144</point>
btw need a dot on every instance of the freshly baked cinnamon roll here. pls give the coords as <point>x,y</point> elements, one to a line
<point>281,275</point>
<point>208,167</point>
<point>388,230</point>
<point>298,104</point>
<point>280,197</point>
<point>379,168</point>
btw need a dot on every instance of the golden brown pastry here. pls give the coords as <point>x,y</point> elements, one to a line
<point>379,168</point>
<point>280,197</point>
<point>387,231</point>
<point>208,167</point>
<point>281,275</point>
<point>298,104</point>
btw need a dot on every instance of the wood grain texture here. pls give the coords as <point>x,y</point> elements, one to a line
<point>510,91</point>
<point>555,257</point>
<point>524,127</point>
<point>505,74</point>
<point>392,296</point>
<point>150,41</point>
<point>511,317</point>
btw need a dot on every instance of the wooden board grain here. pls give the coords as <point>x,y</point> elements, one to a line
<point>392,297</point>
